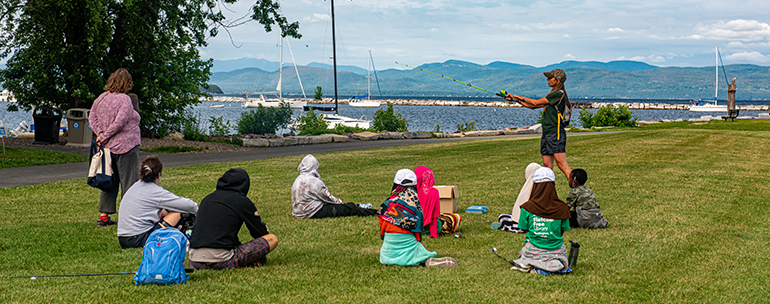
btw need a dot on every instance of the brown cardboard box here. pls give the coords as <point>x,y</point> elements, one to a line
<point>448,196</point>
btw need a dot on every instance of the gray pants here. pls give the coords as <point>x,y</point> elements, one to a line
<point>125,168</point>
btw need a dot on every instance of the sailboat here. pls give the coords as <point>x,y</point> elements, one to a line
<point>335,119</point>
<point>274,103</point>
<point>368,102</point>
<point>710,104</point>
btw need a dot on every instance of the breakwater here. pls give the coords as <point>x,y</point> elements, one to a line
<point>502,104</point>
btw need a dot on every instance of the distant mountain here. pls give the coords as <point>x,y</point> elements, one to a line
<point>620,65</point>
<point>235,64</point>
<point>616,79</point>
<point>343,68</point>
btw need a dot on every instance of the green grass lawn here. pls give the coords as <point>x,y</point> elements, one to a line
<point>22,157</point>
<point>687,208</point>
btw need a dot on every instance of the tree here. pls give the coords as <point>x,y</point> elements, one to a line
<point>62,51</point>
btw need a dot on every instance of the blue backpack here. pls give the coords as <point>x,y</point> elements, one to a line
<point>163,258</point>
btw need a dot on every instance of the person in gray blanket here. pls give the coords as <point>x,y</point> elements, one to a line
<point>147,207</point>
<point>585,210</point>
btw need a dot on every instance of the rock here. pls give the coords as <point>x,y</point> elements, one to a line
<point>391,135</point>
<point>174,135</point>
<point>338,138</point>
<point>439,135</point>
<point>764,115</point>
<point>255,142</point>
<point>276,142</point>
<point>322,139</point>
<point>290,141</point>
<point>509,132</point>
<point>489,133</point>
<point>416,135</point>
<point>472,133</point>
<point>366,136</point>
<point>304,140</point>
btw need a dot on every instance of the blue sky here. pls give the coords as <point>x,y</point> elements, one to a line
<point>662,33</point>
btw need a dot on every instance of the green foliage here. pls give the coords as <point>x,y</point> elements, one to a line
<point>438,129</point>
<point>191,127</point>
<point>540,116</point>
<point>607,116</point>
<point>387,120</point>
<point>318,93</point>
<point>312,124</point>
<point>211,89</point>
<point>467,126</point>
<point>172,149</point>
<point>264,120</point>
<point>60,53</point>
<point>219,127</point>
<point>11,157</point>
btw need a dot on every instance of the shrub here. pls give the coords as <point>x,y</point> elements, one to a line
<point>318,93</point>
<point>387,120</point>
<point>310,124</point>
<point>191,127</point>
<point>264,120</point>
<point>468,126</point>
<point>607,116</point>
<point>217,126</point>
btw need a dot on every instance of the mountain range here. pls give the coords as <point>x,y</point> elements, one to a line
<point>585,79</point>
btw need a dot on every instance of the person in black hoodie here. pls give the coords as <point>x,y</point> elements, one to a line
<point>214,243</point>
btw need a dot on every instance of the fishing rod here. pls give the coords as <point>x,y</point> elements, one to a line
<point>187,270</point>
<point>502,93</point>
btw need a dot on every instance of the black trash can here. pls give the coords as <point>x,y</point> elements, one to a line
<point>47,120</point>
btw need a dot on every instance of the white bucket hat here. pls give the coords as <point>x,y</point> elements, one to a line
<point>544,174</point>
<point>406,178</point>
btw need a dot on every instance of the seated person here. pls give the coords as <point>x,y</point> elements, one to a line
<point>429,200</point>
<point>509,222</point>
<point>311,199</point>
<point>544,217</point>
<point>214,243</point>
<point>586,212</point>
<point>400,219</point>
<point>147,207</point>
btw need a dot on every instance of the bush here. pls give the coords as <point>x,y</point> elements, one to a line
<point>388,121</point>
<point>217,126</point>
<point>318,93</point>
<point>264,120</point>
<point>191,127</point>
<point>468,126</point>
<point>607,116</point>
<point>310,124</point>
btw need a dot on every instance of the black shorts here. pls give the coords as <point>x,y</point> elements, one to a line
<point>550,146</point>
<point>136,241</point>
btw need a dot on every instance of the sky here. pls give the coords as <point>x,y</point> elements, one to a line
<point>538,33</point>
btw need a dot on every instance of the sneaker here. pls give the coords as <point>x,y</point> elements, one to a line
<point>108,222</point>
<point>441,262</point>
<point>519,267</point>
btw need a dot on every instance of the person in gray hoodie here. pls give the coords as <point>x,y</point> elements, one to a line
<point>311,199</point>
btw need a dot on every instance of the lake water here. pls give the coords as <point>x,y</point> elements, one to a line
<point>426,118</point>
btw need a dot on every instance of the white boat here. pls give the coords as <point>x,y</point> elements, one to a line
<point>333,120</point>
<point>710,104</point>
<point>217,106</point>
<point>368,102</point>
<point>274,103</point>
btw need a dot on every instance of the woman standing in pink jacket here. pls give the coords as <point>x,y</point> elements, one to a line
<point>116,126</point>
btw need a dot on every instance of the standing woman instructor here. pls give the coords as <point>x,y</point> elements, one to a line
<point>116,126</point>
<point>554,141</point>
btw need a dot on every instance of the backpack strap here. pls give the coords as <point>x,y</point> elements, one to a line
<point>559,116</point>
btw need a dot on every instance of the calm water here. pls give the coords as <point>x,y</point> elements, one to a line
<point>425,118</point>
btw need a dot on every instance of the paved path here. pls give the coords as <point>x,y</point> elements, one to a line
<point>25,176</point>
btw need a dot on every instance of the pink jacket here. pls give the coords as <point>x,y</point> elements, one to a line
<point>114,115</point>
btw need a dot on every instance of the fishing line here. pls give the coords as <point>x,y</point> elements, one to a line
<point>502,93</point>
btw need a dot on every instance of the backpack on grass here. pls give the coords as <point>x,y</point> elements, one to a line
<point>163,258</point>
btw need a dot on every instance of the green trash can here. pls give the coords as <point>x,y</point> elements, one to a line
<point>78,130</point>
<point>47,120</point>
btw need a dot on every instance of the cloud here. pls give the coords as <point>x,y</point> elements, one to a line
<point>317,18</point>
<point>735,30</point>
<point>752,57</point>
<point>569,56</point>
<point>566,36</point>
<point>434,30</point>
<point>651,58</point>
<point>534,26</point>
<point>614,30</point>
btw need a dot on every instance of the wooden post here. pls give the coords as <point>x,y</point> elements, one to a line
<point>732,113</point>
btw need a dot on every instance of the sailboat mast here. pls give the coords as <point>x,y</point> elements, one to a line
<point>280,74</point>
<point>334,57</point>
<point>369,76</point>
<point>716,66</point>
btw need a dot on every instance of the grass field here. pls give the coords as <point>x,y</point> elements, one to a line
<point>687,205</point>
<point>22,157</point>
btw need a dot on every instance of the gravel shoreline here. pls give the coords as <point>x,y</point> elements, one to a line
<point>147,143</point>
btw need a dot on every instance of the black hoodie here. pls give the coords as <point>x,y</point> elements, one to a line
<point>222,213</point>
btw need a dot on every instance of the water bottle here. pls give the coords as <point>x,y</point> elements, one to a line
<point>574,250</point>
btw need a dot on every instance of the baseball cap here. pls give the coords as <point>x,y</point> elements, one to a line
<point>556,73</point>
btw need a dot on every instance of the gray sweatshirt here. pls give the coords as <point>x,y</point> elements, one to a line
<point>141,205</point>
<point>309,193</point>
